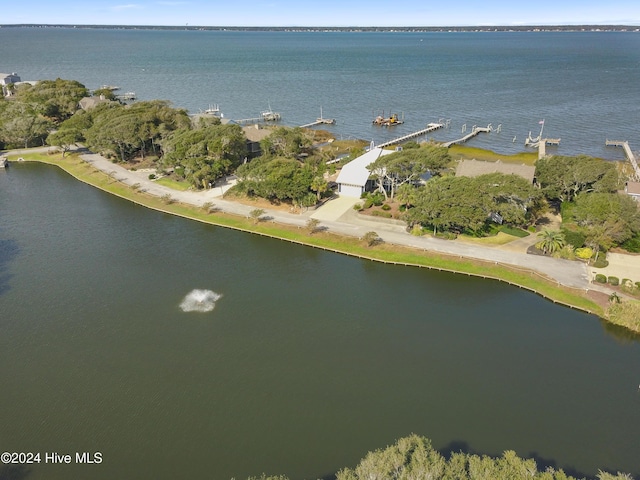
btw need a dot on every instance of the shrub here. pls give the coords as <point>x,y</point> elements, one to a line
<point>417,230</point>
<point>378,213</point>
<point>632,245</point>
<point>152,176</point>
<point>629,287</point>
<point>638,284</point>
<point>601,262</point>
<point>567,252</point>
<point>615,281</point>
<point>386,207</point>
<point>367,203</point>
<point>357,207</point>
<point>584,253</point>
<point>573,238</point>
<point>532,228</point>
<point>167,198</point>
<point>600,278</point>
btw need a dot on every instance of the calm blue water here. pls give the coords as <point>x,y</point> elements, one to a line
<point>585,85</point>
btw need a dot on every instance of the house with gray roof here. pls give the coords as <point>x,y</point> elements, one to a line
<point>475,168</point>
<point>353,177</point>
<point>8,79</point>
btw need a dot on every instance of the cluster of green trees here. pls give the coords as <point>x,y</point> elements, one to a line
<point>594,213</point>
<point>289,170</point>
<point>33,111</point>
<point>413,458</point>
<point>465,204</point>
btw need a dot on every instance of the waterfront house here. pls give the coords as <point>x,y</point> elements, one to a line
<point>7,79</point>
<point>352,179</point>
<point>255,134</point>
<point>87,103</point>
<point>475,168</point>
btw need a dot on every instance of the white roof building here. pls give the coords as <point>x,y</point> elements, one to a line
<point>354,175</point>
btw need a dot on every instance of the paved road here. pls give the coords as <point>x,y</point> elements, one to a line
<point>339,217</point>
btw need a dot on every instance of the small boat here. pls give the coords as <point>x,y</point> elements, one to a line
<point>214,109</point>
<point>270,115</point>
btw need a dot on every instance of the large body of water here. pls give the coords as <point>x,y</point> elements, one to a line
<point>309,359</point>
<point>584,85</point>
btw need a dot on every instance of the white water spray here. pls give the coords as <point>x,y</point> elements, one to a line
<point>199,301</point>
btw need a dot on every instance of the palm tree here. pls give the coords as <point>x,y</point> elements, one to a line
<point>550,241</point>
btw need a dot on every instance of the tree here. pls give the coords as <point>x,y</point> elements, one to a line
<point>277,179</point>
<point>312,225</point>
<point>563,178</point>
<point>371,239</point>
<point>206,153</point>
<point>551,241</point>
<point>57,99</point>
<point>255,214</point>
<point>23,125</point>
<point>406,166</point>
<point>286,142</point>
<point>608,219</point>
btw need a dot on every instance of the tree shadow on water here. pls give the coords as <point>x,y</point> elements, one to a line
<point>9,250</point>
<point>14,472</point>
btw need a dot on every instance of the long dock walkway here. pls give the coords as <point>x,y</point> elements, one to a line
<point>320,121</point>
<point>430,128</point>
<point>474,131</point>
<point>628,153</point>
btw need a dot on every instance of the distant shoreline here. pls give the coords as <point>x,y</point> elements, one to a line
<point>406,29</point>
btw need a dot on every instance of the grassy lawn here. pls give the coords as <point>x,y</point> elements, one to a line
<point>499,239</point>
<point>469,153</point>
<point>328,241</point>
<point>174,184</point>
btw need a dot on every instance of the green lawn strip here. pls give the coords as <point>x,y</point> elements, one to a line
<point>469,153</point>
<point>168,182</point>
<point>326,240</point>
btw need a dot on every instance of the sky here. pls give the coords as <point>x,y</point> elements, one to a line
<point>338,13</point>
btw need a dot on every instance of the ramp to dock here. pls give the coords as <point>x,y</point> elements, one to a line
<point>430,128</point>
<point>629,154</point>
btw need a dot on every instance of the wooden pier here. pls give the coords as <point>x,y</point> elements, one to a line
<point>430,128</point>
<point>320,121</point>
<point>627,150</point>
<point>474,131</point>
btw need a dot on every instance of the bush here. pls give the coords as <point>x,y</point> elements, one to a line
<point>386,207</point>
<point>600,278</point>
<point>584,253</point>
<point>417,230</point>
<point>601,262</point>
<point>378,213</point>
<point>573,238</point>
<point>632,245</point>
<point>567,252</point>
<point>638,284</point>
<point>357,207</point>
<point>152,176</point>
<point>532,228</point>
<point>615,281</point>
<point>367,204</point>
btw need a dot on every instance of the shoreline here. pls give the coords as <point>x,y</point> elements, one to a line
<point>338,237</point>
